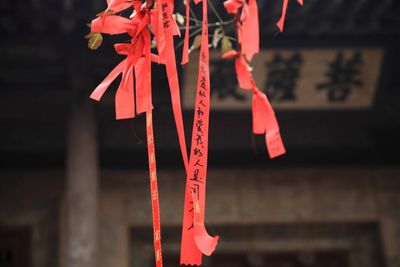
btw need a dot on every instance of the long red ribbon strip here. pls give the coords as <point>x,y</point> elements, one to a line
<point>155,206</point>
<point>165,44</point>
<point>138,63</point>
<point>195,239</point>
<point>185,50</point>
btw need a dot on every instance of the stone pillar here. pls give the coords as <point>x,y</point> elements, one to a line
<point>81,201</point>
<point>388,197</point>
<point>390,230</point>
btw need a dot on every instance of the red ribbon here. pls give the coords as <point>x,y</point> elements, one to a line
<point>264,119</point>
<point>138,64</point>
<point>163,29</point>
<point>155,206</point>
<point>281,21</point>
<point>185,51</point>
<point>264,122</point>
<point>135,68</point>
<point>195,239</point>
<point>247,25</point>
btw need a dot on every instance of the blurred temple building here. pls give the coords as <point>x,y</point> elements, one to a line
<point>74,185</point>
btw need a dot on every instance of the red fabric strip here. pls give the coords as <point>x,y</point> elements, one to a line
<point>265,122</point>
<point>281,22</point>
<point>195,239</point>
<point>155,206</point>
<point>111,25</point>
<point>185,51</point>
<point>166,50</point>
<point>244,76</point>
<point>250,36</point>
<point>125,98</point>
<point>138,63</point>
<point>143,77</point>
<point>232,6</point>
<point>264,119</point>
<point>103,86</point>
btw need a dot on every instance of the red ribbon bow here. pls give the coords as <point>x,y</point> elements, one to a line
<point>135,68</point>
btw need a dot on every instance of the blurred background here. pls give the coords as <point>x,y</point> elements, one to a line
<point>74,182</point>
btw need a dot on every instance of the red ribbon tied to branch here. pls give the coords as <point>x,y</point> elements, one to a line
<point>133,97</point>
<point>264,119</point>
<point>247,25</point>
<point>136,67</point>
<point>195,239</point>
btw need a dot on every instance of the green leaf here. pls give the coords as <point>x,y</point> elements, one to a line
<point>196,43</point>
<point>95,40</point>
<point>226,45</point>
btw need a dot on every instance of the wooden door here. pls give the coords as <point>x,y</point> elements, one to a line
<point>15,247</point>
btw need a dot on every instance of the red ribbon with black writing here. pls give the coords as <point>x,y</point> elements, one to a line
<point>195,239</point>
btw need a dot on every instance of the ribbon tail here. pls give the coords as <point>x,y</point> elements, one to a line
<point>281,21</point>
<point>143,86</point>
<point>155,205</point>
<point>274,143</point>
<point>250,33</point>
<point>258,114</point>
<point>185,51</point>
<point>264,121</point>
<point>190,253</point>
<point>166,50</point>
<point>204,242</point>
<point>143,78</point>
<point>243,74</point>
<point>111,25</point>
<point>103,86</point>
<point>125,98</point>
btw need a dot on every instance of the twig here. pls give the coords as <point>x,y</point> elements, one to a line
<point>214,10</point>
<point>190,35</point>
<point>193,19</point>
<point>226,36</point>
<point>217,24</point>
<point>192,13</point>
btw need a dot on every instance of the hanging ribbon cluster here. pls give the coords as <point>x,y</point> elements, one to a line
<point>264,120</point>
<point>134,96</point>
